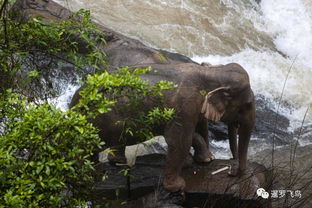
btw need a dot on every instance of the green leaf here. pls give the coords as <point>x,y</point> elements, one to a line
<point>33,74</point>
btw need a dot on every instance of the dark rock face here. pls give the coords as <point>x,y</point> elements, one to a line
<point>159,198</point>
<point>45,8</point>
<point>206,190</point>
<point>218,131</point>
<point>143,185</point>
<point>268,124</point>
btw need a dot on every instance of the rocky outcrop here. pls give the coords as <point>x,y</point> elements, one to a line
<point>269,124</point>
<point>141,184</point>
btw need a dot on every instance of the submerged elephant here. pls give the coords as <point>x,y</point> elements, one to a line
<point>220,93</point>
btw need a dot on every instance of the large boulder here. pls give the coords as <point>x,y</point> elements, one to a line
<point>142,184</point>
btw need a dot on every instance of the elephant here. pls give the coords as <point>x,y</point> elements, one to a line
<point>222,93</point>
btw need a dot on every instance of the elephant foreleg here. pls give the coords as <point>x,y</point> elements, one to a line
<point>244,137</point>
<point>232,131</point>
<point>246,125</point>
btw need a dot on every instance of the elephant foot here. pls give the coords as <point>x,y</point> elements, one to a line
<point>205,158</point>
<point>235,172</point>
<point>173,183</point>
<point>117,158</point>
<point>188,162</point>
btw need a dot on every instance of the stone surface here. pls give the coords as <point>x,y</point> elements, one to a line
<point>220,190</point>
<point>143,184</point>
<point>295,177</point>
<point>268,124</point>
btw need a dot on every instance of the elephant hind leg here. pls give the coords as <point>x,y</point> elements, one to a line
<point>202,153</point>
<point>178,136</point>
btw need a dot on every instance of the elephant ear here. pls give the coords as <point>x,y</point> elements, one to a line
<point>215,103</point>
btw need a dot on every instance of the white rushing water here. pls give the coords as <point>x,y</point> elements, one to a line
<point>64,98</point>
<point>289,24</point>
<point>269,39</point>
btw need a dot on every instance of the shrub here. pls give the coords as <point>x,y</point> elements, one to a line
<point>33,50</point>
<point>45,157</point>
<point>106,91</point>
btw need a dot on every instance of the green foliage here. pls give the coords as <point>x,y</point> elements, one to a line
<point>38,46</point>
<point>161,57</point>
<point>126,93</point>
<point>45,153</point>
<point>142,125</point>
<point>45,156</point>
<point>203,92</point>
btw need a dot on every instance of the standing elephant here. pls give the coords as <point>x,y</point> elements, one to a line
<point>219,93</point>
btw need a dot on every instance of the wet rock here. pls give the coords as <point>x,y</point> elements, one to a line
<point>47,9</point>
<point>269,124</point>
<point>132,182</point>
<point>296,176</point>
<point>160,198</point>
<point>217,131</point>
<point>220,190</point>
<point>143,187</point>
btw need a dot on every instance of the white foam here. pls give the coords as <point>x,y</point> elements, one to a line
<point>290,23</point>
<point>268,71</point>
<point>220,149</point>
<point>63,100</point>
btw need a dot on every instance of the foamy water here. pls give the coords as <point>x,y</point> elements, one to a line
<point>290,23</point>
<point>269,40</point>
<point>267,79</point>
<point>63,100</point>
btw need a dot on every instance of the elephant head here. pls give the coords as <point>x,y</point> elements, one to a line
<point>215,103</point>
